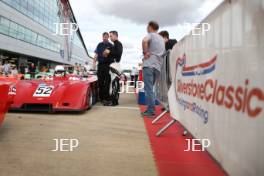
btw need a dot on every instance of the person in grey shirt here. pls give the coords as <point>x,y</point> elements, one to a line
<point>153,49</point>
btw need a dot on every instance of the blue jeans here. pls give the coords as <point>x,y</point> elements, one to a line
<point>150,76</point>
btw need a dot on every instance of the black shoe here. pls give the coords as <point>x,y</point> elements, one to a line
<point>148,114</point>
<point>110,104</point>
<point>115,103</point>
<point>107,103</point>
<point>104,101</point>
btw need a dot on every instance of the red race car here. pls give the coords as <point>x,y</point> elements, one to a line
<point>11,78</point>
<point>7,92</point>
<point>61,92</point>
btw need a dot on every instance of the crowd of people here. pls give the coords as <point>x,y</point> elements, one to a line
<point>80,69</point>
<point>8,69</point>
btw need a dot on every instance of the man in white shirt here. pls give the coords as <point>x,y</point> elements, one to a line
<point>6,68</point>
<point>134,75</point>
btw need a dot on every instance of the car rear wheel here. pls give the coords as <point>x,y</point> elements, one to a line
<point>90,99</point>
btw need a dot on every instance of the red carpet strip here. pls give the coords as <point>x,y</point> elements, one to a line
<point>169,154</point>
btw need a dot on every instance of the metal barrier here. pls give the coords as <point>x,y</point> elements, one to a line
<point>162,86</point>
<point>164,82</point>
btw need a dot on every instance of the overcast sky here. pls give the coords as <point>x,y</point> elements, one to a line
<point>130,17</point>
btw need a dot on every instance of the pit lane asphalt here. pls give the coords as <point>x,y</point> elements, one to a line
<point>112,142</point>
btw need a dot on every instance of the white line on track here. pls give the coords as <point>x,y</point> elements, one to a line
<point>118,107</point>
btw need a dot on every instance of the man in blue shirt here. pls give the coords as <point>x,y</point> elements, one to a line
<point>104,77</point>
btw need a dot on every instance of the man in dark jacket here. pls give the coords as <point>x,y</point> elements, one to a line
<point>114,54</point>
<point>22,68</point>
<point>32,70</point>
<point>169,43</point>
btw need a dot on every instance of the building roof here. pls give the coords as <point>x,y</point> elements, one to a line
<point>67,3</point>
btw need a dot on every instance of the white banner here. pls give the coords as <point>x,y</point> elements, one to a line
<point>218,85</point>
